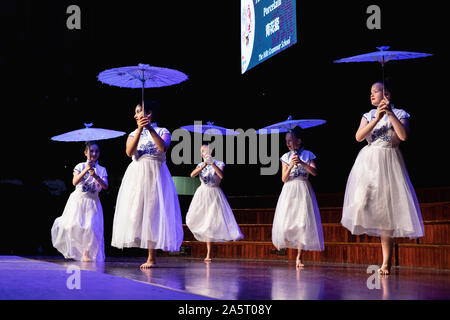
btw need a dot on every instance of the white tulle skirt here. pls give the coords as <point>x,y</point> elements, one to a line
<point>297,218</point>
<point>379,198</point>
<point>80,228</point>
<point>210,216</point>
<point>147,211</point>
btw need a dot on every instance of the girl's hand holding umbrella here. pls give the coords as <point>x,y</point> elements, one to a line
<point>384,108</point>
<point>143,121</point>
<point>90,167</point>
<point>295,161</point>
<point>91,172</point>
<point>208,159</point>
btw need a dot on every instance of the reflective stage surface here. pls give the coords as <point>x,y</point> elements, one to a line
<point>273,280</point>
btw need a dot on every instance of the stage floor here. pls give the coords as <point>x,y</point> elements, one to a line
<point>180,278</point>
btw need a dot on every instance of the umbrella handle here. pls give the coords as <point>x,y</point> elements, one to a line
<point>142,95</point>
<point>143,86</point>
<point>382,74</point>
<point>89,154</point>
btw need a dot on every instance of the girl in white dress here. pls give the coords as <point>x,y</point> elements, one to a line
<point>78,233</point>
<point>209,216</point>
<point>379,198</point>
<point>297,222</point>
<point>147,209</point>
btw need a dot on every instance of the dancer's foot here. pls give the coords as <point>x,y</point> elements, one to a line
<point>299,263</point>
<point>85,258</point>
<point>207,259</point>
<point>385,269</point>
<point>149,264</point>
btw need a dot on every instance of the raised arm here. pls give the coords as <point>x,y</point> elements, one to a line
<point>219,170</point>
<point>401,127</point>
<point>365,127</point>
<point>286,169</point>
<point>162,143</point>
<point>309,167</point>
<point>78,175</point>
<point>103,182</point>
<point>133,142</point>
<point>197,170</point>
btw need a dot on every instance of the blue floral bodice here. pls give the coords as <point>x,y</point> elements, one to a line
<point>299,171</point>
<point>208,175</point>
<point>147,146</point>
<point>87,183</point>
<point>383,134</point>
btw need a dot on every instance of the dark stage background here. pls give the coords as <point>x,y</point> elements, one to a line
<point>49,86</point>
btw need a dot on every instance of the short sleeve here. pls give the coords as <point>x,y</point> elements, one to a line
<point>307,156</point>
<point>200,164</point>
<point>285,158</point>
<point>369,115</point>
<point>220,164</point>
<point>164,131</point>
<point>401,114</point>
<point>132,134</point>
<point>104,173</point>
<point>311,156</point>
<point>78,168</point>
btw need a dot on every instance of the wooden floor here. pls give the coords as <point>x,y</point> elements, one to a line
<point>184,278</point>
<point>254,215</point>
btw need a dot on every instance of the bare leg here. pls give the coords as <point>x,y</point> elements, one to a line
<point>151,261</point>
<point>298,261</point>
<point>208,250</point>
<point>386,247</point>
<point>85,257</point>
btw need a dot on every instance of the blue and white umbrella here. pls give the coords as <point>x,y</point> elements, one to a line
<point>289,124</point>
<point>88,134</point>
<point>209,128</point>
<point>383,56</point>
<point>141,76</point>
